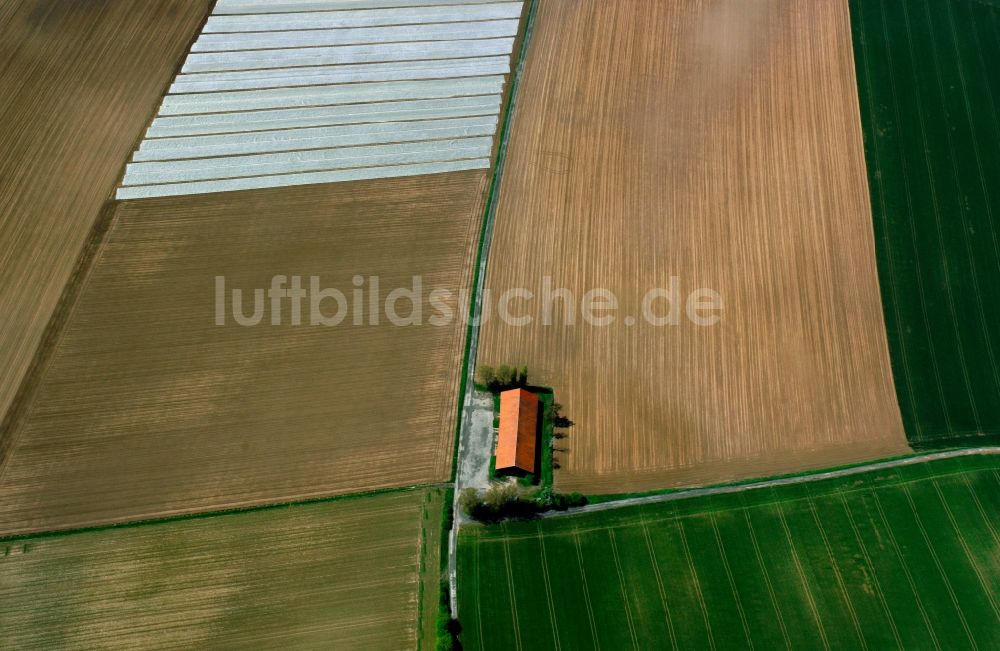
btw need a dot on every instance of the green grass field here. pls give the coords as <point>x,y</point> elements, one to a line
<point>930,93</point>
<point>906,558</point>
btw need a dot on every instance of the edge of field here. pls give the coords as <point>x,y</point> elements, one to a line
<point>199,515</point>
<point>904,473</point>
<point>920,451</point>
<point>94,242</point>
<point>482,250</point>
<point>501,589</point>
<point>428,592</point>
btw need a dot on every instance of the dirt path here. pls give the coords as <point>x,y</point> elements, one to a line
<point>477,300</point>
<point>770,483</point>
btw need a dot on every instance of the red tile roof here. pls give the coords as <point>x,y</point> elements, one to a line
<point>518,430</point>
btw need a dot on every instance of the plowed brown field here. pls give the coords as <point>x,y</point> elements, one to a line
<point>340,575</point>
<point>79,81</point>
<point>718,142</point>
<point>147,408</point>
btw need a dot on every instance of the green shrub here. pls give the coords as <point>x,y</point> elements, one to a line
<point>502,378</point>
<point>508,501</point>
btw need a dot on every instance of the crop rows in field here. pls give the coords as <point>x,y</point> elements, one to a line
<point>718,143</point>
<point>904,558</point>
<point>80,81</point>
<point>930,93</point>
<point>343,574</point>
<point>148,408</point>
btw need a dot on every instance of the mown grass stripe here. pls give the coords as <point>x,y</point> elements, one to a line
<point>982,511</point>
<point>696,583</point>
<point>586,590</point>
<point>937,563</point>
<point>624,591</point>
<point>479,608</point>
<point>659,582</point>
<point>511,593</point>
<point>732,582</point>
<point>806,588</point>
<point>906,568</point>
<point>879,592</point>
<point>960,536</point>
<point>767,579</point>
<point>548,588</point>
<point>838,575</point>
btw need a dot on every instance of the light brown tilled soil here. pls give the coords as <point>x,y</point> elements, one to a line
<point>718,142</point>
<point>79,82</point>
<point>147,408</point>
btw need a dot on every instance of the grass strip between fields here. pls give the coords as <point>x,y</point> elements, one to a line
<point>479,267</point>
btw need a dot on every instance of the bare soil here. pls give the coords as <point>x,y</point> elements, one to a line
<point>79,82</point>
<point>718,142</point>
<point>148,408</point>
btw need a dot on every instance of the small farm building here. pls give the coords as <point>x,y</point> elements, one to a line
<point>518,431</point>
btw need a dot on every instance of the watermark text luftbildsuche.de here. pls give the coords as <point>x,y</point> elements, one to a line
<point>301,300</point>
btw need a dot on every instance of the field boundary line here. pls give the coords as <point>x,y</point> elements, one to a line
<point>838,575</point>
<point>968,552</point>
<point>874,574</point>
<point>732,581</point>
<point>697,584</point>
<point>467,378</point>
<point>940,568</point>
<point>634,521</point>
<point>691,493</point>
<point>810,599</point>
<point>88,253</point>
<point>621,584</point>
<point>906,568</point>
<point>510,592</point>
<point>767,578</point>
<point>218,513</point>
<point>586,590</point>
<point>659,581</point>
<point>548,588</point>
<point>12,423</point>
